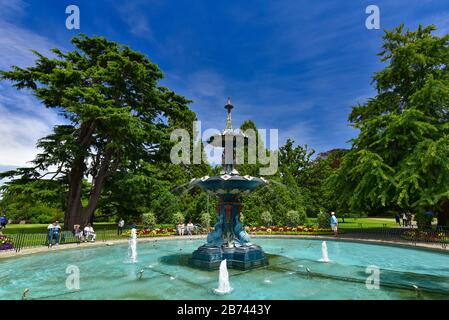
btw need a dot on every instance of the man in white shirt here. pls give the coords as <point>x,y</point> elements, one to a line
<point>89,232</point>
<point>54,231</point>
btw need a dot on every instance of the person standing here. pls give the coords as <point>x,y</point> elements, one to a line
<point>334,223</point>
<point>409,218</point>
<point>398,219</point>
<point>3,220</point>
<point>120,226</point>
<point>404,219</point>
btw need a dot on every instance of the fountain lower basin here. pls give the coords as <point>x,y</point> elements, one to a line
<point>167,275</point>
<point>241,258</point>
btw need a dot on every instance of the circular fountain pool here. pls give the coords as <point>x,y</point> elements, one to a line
<point>295,272</point>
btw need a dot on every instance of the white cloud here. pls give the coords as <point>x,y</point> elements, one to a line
<point>22,123</point>
<point>133,13</point>
<point>16,44</point>
<point>11,9</point>
<point>23,120</point>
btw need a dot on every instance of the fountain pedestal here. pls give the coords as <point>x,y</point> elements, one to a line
<point>228,240</point>
<point>242,258</point>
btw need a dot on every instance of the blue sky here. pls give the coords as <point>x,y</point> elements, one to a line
<point>297,66</point>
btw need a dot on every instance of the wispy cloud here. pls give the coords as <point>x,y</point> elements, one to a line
<point>12,9</point>
<point>134,14</point>
<point>23,120</point>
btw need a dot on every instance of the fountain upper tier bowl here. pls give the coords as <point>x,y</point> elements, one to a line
<point>228,184</point>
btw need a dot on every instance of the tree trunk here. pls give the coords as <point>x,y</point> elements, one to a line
<point>443,215</point>
<point>97,186</point>
<point>74,209</point>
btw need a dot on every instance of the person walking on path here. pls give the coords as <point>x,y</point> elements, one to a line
<point>398,219</point>
<point>334,223</point>
<point>404,219</point>
<point>409,218</point>
<point>120,226</point>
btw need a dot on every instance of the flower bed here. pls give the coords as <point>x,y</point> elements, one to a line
<point>5,243</point>
<point>157,232</point>
<point>299,230</point>
<point>426,236</point>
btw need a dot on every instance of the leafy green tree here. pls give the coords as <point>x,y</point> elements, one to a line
<point>277,198</point>
<point>294,160</point>
<point>177,217</point>
<point>205,219</point>
<point>323,220</point>
<point>117,116</point>
<point>295,218</point>
<point>399,159</point>
<point>266,218</point>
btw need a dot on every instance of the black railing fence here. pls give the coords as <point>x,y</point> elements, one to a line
<point>436,236</point>
<point>23,240</point>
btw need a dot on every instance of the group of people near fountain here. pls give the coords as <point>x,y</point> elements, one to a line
<point>182,228</point>
<point>406,217</point>
<point>54,233</point>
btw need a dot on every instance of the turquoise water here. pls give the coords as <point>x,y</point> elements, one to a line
<point>105,273</point>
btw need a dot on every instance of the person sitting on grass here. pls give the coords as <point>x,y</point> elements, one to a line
<point>89,232</point>
<point>78,233</point>
<point>54,232</point>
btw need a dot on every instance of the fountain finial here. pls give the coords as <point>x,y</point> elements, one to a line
<point>229,107</point>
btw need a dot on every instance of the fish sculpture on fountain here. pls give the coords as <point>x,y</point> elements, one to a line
<point>228,240</point>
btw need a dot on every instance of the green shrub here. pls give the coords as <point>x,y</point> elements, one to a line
<point>149,219</point>
<point>205,219</point>
<point>177,217</point>
<point>44,214</point>
<point>266,218</point>
<point>423,221</point>
<point>295,218</point>
<point>323,220</point>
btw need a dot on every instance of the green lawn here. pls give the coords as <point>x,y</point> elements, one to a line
<point>42,228</point>
<point>350,223</point>
<point>26,235</point>
<point>365,223</point>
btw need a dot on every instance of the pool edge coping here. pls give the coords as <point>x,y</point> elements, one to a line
<point>395,243</point>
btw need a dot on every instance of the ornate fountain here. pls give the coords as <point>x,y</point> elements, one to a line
<point>228,240</point>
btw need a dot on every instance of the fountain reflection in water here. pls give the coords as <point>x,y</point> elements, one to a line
<point>223,280</point>
<point>324,255</point>
<point>132,249</point>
